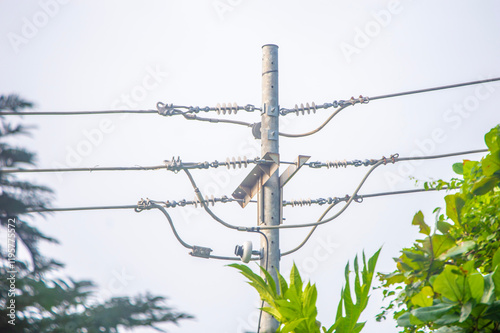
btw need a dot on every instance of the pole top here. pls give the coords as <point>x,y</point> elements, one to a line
<point>269,45</point>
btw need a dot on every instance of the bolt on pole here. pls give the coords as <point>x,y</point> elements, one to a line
<point>270,194</point>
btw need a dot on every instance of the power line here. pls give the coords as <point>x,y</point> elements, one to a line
<point>383,161</point>
<point>434,88</point>
<point>142,204</point>
<point>177,165</point>
<point>334,201</point>
<point>230,108</point>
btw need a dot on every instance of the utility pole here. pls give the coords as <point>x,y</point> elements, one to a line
<point>270,194</point>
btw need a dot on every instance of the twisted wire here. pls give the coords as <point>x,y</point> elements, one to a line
<point>229,108</point>
<point>313,107</point>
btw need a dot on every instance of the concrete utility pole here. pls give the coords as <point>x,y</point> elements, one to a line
<point>270,200</point>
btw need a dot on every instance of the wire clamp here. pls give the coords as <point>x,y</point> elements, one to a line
<point>143,205</point>
<point>201,252</point>
<point>165,109</point>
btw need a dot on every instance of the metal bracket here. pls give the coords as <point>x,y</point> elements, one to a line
<point>288,174</point>
<point>271,111</point>
<point>257,177</point>
<point>201,252</point>
<point>293,169</point>
<point>272,135</point>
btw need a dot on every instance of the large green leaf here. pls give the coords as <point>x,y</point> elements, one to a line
<point>492,138</point>
<point>418,219</point>
<point>424,297</point>
<point>442,226</point>
<point>475,282</point>
<point>493,312</point>
<point>496,280</point>
<point>484,185</point>
<point>438,244</point>
<point>432,313</point>
<point>451,329</point>
<point>496,259</point>
<point>491,164</point>
<point>465,311</point>
<point>454,205</point>
<point>461,248</point>
<point>458,168</point>
<point>290,327</point>
<point>450,284</point>
<point>489,290</point>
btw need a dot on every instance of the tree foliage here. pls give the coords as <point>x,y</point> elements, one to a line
<point>43,304</point>
<point>294,306</point>
<point>449,281</point>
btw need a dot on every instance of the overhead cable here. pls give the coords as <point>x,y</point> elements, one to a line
<point>166,109</point>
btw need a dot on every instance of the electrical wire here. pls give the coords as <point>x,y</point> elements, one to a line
<point>358,198</point>
<point>73,113</point>
<point>171,165</point>
<point>434,88</point>
<point>169,219</point>
<point>207,209</point>
<point>288,135</point>
<point>217,120</point>
<point>384,161</point>
<point>168,110</point>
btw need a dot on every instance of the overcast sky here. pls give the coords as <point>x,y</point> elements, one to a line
<point>101,55</point>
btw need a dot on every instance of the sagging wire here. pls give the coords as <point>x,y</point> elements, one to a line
<point>334,201</point>
<point>323,221</point>
<point>288,135</point>
<point>333,204</point>
<point>197,251</point>
<point>207,209</point>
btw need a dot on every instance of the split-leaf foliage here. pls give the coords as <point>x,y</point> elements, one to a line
<point>293,305</point>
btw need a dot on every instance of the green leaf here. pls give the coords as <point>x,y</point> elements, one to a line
<point>450,285</point>
<point>452,329</point>
<point>496,259</point>
<point>442,226</point>
<point>496,281</point>
<point>489,290</point>
<point>492,139</point>
<point>491,163</point>
<point>447,319</point>
<point>458,168</point>
<point>418,219</point>
<point>461,248</point>
<point>424,297</point>
<point>404,320</point>
<point>475,282</point>
<point>292,325</point>
<point>283,285</point>
<point>432,313</point>
<point>295,280</point>
<point>484,185</point>
<point>454,205</point>
<point>493,312</point>
<point>465,311</point>
<point>440,244</point>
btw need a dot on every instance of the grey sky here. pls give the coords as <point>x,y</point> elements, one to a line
<point>97,55</point>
